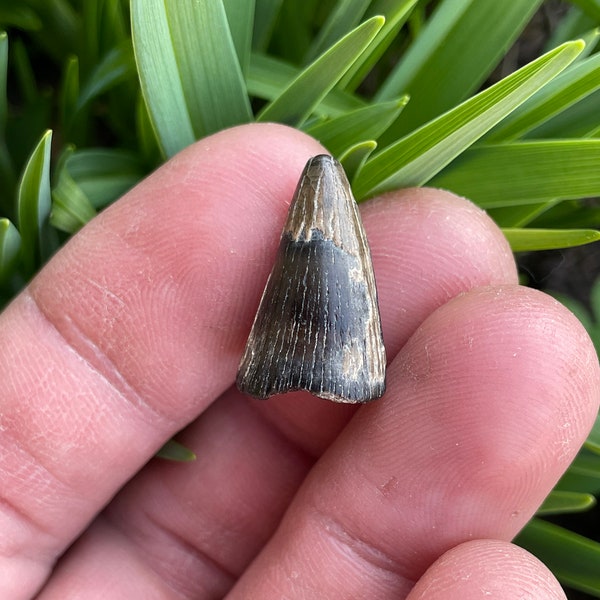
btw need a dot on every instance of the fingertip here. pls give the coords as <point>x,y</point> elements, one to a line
<point>428,246</point>
<point>487,568</point>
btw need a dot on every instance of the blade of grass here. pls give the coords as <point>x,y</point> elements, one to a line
<point>265,16</point>
<point>104,26</point>
<point>525,240</point>
<point>457,50</point>
<point>416,158</point>
<point>573,558</point>
<point>396,13</point>
<point>33,205</point>
<point>240,16</point>
<point>190,76</point>
<point>69,92</point>
<point>342,132</point>
<point>173,450</point>
<point>10,245</point>
<point>519,216</point>
<point>71,208</point>
<point>579,120</point>
<point>525,172</point>
<point>574,84</point>
<point>583,475</point>
<point>104,174</point>
<point>569,213</point>
<point>355,156</point>
<point>7,172</point>
<point>562,501</point>
<point>589,7</point>
<point>116,66</point>
<point>268,77</point>
<point>345,16</point>
<point>303,94</point>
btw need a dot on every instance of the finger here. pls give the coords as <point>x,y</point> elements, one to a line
<point>130,331</point>
<point>428,246</point>
<point>253,455</point>
<point>488,403</point>
<point>487,568</point>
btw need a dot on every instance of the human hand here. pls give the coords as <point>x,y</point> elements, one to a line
<point>134,331</point>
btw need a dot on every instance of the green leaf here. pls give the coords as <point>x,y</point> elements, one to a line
<point>71,208</point>
<point>520,215</point>
<point>561,501</point>
<point>104,28</point>
<point>3,75</point>
<point>583,475</point>
<point>33,205</point>
<point>457,50</point>
<point>146,135</point>
<point>355,156</point>
<point>69,92</point>
<point>344,17</point>
<point>10,244</point>
<point>593,440</point>
<point>303,94</point>
<point>416,158</point>
<point>569,87</point>
<point>570,27</point>
<point>7,172</point>
<point>25,74</point>
<point>525,172</point>
<point>395,12</point>
<point>115,67</point>
<point>104,174</point>
<point>240,16</point>
<point>526,240</point>
<point>268,77</point>
<point>579,120</point>
<point>190,76</point>
<point>20,17</point>
<point>589,7</point>
<point>173,450</point>
<point>265,16</point>
<point>340,133</point>
<point>572,214</point>
<point>573,558</point>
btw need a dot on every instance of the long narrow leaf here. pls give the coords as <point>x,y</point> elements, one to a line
<point>7,173</point>
<point>416,158</point>
<point>300,98</point>
<point>526,172</point>
<point>268,77</point>
<point>569,87</point>
<point>455,53</point>
<point>354,157</point>
<point>525,240</point>
<point>189,72</point>
<point>265,15</point>
<point>117,66</point>
<point>396,13</point>
<point>343,18</point>
<point>520,215</point>
<point>561,501</point>
<point>33,204</point>
<point>10,244</point>
<point>579,120</point>
<point>240,16</point>
<point>339,134</point>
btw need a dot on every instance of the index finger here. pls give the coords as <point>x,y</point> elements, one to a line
<point>129,332</point>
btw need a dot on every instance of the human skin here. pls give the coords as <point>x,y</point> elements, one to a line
<point>134,331</point>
